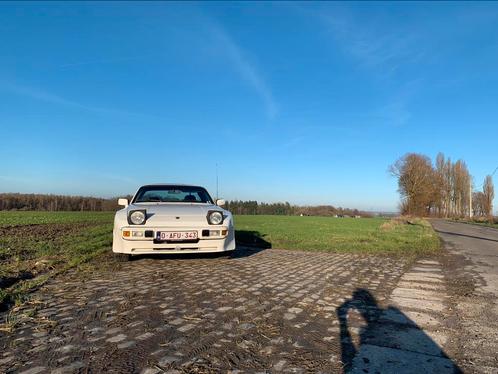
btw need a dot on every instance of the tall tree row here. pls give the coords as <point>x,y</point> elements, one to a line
<point>488,192</point>
<point>253,207</point>
<point>443,189</point>
<point>17,201</point>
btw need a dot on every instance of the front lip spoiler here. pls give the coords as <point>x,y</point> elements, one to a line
<point>197,249</point>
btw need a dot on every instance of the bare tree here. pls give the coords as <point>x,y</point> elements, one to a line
<point>415,183</point>
<point>479,204</point>
<point>443,190</point>
<point>443,185</point>
<point>461,182</point>
<point>489,194</point>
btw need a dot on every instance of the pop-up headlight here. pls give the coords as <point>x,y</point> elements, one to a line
<point>137,217</point>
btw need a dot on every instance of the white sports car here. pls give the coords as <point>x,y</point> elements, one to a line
<point>165,218</point>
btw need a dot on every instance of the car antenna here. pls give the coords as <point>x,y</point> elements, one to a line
<point>217,181</point>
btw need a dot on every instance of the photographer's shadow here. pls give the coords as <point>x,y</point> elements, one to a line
<point>390,342</point>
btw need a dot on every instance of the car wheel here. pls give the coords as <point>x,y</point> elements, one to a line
<point>122,257</point>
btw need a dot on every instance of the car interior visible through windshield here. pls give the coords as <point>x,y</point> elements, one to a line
<point>172,194</point>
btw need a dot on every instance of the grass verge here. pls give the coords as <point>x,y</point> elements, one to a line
<point>367,235</point>
<point>32,254</point>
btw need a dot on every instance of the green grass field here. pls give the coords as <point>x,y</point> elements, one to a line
<point>35,246</point>
<point>338,234</point>
<point>14,218</point>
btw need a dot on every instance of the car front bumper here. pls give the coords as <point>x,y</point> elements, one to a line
<point>136,246</point>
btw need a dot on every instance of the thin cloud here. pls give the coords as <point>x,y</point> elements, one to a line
<point>41,95</point>
<point>104,61</point>
<point>396,112</point>
<point>374,48</point>
<point>9,178</point>
<point>242,64</point>
<point>368,42</point>
<point>48,97</point>
<point>290,144</point>
<point>380,50</point>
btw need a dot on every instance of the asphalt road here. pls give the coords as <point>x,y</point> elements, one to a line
<point>479,244</point>
<point>471,265</point>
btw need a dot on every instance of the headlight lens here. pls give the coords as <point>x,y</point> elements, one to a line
<point>137,217</point>
<point>215,218</point>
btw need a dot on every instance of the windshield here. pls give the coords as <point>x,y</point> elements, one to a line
<point>172,194</point>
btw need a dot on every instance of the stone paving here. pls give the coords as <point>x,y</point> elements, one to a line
<point>410,335</point>
<point>272,310</point>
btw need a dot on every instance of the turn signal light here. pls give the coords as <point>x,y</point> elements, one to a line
<point>126,234</point>
<point>214,233</point>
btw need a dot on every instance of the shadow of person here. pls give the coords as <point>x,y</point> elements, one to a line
<point>389,341</point>
<point>363,302</point>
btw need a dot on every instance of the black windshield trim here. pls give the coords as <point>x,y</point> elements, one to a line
<point>172,187</point>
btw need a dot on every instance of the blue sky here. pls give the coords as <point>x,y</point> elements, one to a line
<point>304,102</point>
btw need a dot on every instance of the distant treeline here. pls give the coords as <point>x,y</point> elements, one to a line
<point>17,201</point>
<point>253,207</point>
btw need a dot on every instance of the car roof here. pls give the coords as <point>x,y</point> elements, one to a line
<point>169,185</point>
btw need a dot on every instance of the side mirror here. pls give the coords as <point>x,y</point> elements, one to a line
<point>123,202</point>
<point>220,202</point>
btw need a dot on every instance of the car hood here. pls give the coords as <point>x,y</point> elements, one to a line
<point>172,209</point>
<point>167,212</point>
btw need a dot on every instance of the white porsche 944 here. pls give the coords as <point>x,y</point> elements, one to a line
<point>164,218</point>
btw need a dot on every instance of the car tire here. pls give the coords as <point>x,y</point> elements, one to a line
<point>122,257</point>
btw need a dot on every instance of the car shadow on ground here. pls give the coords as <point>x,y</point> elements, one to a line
<point>254,239</point>
<point>389,342</point>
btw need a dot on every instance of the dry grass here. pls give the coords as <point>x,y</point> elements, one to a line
<point>394,223</point>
